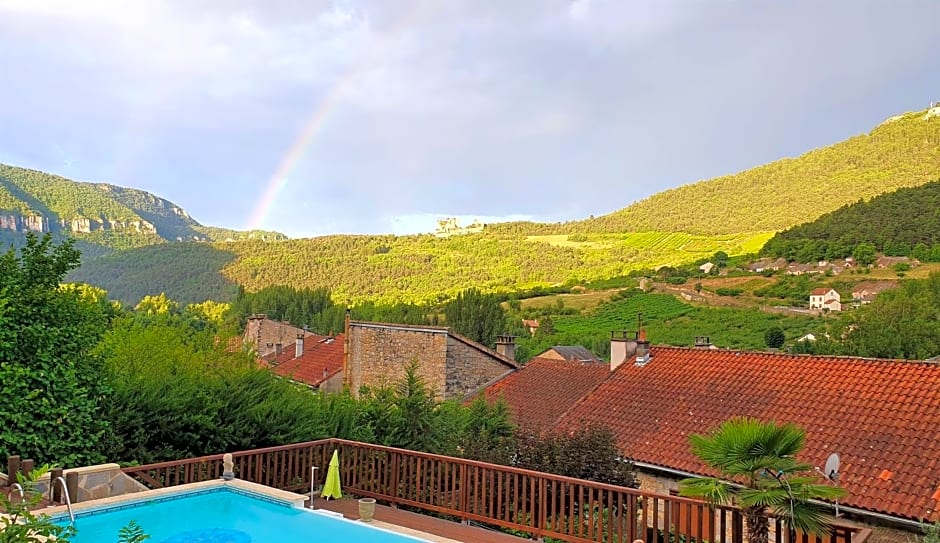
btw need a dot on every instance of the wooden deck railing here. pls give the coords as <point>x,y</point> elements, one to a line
<point>540,504</point>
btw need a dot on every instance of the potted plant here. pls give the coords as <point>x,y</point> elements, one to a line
<point>366,509</point>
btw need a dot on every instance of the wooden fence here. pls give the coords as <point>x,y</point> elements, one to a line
<point>540,504</point>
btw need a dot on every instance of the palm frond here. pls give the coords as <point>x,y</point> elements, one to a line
<point>707,488</point>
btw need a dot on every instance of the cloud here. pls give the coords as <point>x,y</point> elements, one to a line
<point>549,109</point>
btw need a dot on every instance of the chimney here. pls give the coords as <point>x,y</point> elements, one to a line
<point>506,346</point>
<point>642,348</point>
<point>703,342</point>
<point>623,346</point>
<point>299,349</point>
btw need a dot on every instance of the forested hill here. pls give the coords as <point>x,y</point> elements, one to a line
<point>902,223</point>
<point>903,151</point>
<point>97,214</point>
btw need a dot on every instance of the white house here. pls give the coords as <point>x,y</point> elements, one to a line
<point>706,268</point>
<point>825,298</point>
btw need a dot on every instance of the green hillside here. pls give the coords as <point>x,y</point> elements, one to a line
<point>99,215</point>
<point>904,151</point>
<point>902,223</point>
<point>188,272</point>
<point>409,268</point>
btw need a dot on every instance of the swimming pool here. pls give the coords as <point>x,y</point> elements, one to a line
<point>222,515</point>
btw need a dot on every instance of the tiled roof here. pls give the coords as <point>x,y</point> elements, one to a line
<point>879,415</point>
<point>575,353</point>
<point>821,291</point>
<point>322,359</point>
<point>540,392</point>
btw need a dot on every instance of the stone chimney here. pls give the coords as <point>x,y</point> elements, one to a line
<point>299,348</point>
<point>623,346</point>
<point>506,346</point>
<point>703,342</point>
<point>642,348</point>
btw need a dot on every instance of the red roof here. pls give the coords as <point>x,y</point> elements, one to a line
<point>820,291</point>
<point>540,392</point>
<point>322,359</point>
<point>879,415</point>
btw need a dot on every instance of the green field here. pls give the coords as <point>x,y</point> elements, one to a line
<point>670,321</point>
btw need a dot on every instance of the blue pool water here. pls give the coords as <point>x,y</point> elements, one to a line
<point>223,515</point>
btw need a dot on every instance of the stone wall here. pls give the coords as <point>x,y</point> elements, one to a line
<point>96,482</point>
<point>469,368</point>
<point>333,384</point>
<point>379,354</point>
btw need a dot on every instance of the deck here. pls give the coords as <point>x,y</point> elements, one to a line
<point>444,530</point>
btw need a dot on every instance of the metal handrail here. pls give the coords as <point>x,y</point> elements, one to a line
<point>21,490</point>
<point>65,490</point>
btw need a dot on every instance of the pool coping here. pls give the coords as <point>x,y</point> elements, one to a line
<point>289,499</point>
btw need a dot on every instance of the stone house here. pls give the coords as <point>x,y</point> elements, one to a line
<point>570,353</point>
<point>315,361</point>
<point>452,365</point>
<point>888,261</point>
<point>865,292</point>
<point>270,337</point>
<point>825,298</point>
<point>654,398</point>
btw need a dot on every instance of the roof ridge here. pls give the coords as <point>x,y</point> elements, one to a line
<point>844,357</point>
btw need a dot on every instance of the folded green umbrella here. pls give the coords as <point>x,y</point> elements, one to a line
<point>331,486</point>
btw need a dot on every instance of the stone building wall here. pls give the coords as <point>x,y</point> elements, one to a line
<point>379,354</point>
<point>469,368</point>
<point>333,384</point>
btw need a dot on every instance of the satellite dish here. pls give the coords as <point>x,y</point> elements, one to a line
<point>832,467</point>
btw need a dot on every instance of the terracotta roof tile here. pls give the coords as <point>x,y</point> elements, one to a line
<point>540,392</point>
<point>879,415</point>
<point>322,359</point>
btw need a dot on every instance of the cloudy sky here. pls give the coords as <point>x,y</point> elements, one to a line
<point>315,116</point>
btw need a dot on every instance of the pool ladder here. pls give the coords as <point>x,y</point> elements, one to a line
<point>65,492</point>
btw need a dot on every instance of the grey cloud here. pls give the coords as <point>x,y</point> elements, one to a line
<point>546,108</point>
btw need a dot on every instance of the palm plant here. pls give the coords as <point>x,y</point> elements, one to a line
<point>760,474</point>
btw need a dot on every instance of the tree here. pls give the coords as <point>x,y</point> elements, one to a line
<point>478,316</point>
<point>761,458</point>
<point>52,384</point>
<point>157,305</point>
<point>864,254</point>
<point>774,337</point>
<point>900,323</point>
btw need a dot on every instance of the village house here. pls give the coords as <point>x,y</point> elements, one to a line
<point>767,264</point>
<point>888,261</point>
<point>452,365</point>
<point>825,299</point>
<point>370,354</point>
<point>865,292</point>
<point>315,361</point>
<point>654,398</point>
<point>706,268</point>
<point>532,325</point>
<point>269,336</point>
<point>571,353</point>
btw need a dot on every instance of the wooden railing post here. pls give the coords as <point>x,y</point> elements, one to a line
<point>71,483</point>
<point>396,466</point>
<point>27,467</point>
<point>56,494</point>
<point>13,467</point>
<point>737,527</point>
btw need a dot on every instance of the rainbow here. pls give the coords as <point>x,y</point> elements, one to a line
<point>319,117</point>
